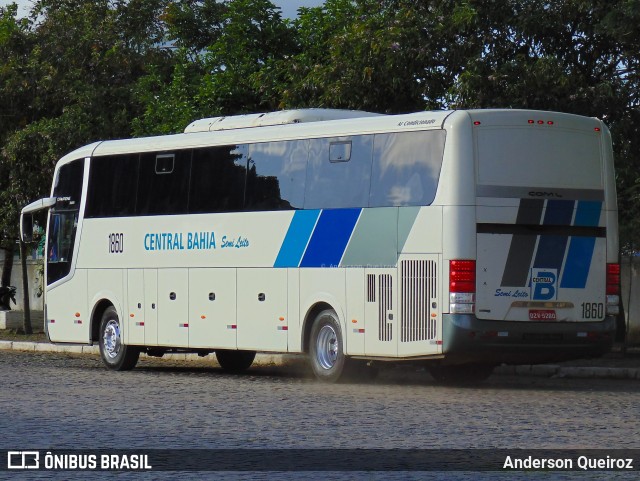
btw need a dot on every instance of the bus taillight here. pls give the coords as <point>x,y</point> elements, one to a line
<point>462,286</point>
<point>613,289</point>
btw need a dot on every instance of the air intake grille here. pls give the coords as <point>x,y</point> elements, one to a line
<point>418,280</point>
<point>371,288</point>
<point>385,295</point>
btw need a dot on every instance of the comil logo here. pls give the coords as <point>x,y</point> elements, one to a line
<point>543,284</point>
<point>23,460</point>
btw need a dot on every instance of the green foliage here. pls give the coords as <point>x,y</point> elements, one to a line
<point>79,71</point>
<point>66,80</point>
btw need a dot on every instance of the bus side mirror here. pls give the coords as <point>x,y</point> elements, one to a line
<point>26,227</point>
<point>26,216</point>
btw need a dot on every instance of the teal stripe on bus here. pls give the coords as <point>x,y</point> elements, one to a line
<point>297,237</point>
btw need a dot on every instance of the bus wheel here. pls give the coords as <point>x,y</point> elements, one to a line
<point>326,349</point>
<point>114,353</point>
<point>235,361</point>
<point>464,374</point>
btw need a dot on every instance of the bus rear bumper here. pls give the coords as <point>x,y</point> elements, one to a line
<point>467,339</point>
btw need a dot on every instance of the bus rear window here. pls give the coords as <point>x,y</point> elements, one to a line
<point>539,157</point>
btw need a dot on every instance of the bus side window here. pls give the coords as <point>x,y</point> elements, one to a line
<point>112,186</point>
<point>163,183</point>
<point>218,177</point>
<point>406,168</point>
<point>276,175</point>
<point>339,172</point>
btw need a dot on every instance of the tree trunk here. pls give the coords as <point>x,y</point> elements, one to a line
<point>25,289</point>
<point>7,268</point>
<point>7,265</point>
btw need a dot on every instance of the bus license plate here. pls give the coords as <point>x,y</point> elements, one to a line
<point>542,315</point>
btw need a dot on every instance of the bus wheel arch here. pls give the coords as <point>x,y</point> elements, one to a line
<point>312,314</point>
<point>114,353</point>
<point>326,346</point>
<point>96,318</point>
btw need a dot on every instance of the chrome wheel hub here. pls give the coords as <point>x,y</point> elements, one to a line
<point>111,339</point>
<point>327,347</point>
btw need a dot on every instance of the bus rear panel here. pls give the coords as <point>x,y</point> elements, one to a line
<point>547,274</point>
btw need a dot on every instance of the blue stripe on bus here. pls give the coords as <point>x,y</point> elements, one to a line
<point>580,256</point>
<point>588,213</point>
<point>297,238</point>
<point>558,212</point>
<point>330,237</point>
<point>551,248</point>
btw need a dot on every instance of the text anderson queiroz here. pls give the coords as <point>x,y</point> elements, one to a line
<point>582,462</point>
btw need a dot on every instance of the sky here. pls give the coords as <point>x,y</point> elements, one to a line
<point>289,7</point>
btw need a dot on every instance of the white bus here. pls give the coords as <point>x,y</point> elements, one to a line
<point>459,239</point>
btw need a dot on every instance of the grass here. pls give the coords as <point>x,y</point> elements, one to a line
<point>19,335</point>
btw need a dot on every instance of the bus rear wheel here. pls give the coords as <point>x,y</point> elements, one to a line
<point>115,354</point>
<point>463,374</point>
<point>326,348</point>
<point>235,361</point>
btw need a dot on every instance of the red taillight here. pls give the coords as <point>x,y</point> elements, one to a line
<point>462,276</point>
<point>613,279</point>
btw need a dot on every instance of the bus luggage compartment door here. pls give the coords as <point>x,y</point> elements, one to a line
<point>212,308</point>
<point>262,309</point>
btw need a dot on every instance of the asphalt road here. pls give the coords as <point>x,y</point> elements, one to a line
<point>62,401</point>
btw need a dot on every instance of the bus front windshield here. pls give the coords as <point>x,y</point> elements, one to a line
<point>63,220</point>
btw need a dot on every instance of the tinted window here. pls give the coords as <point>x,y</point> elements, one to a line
<point>406,168</point>
<point>218,179</point>
<point>334,182</point>
<point>163,183</point>
<point>112,186</point>
<point>68,187</point>
<point>276,175</point>
<point>63,220</point>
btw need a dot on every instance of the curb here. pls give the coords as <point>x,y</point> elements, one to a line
<point>537,370</point>
<point>261,359</point>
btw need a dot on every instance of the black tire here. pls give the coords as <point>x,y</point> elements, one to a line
<point>115,354</point>
<point>464,374</point>
<point>326,347</point>
<point>235,361</point>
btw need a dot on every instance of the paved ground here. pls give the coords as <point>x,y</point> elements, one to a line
<point>616,365</point>
<point>63,400</point>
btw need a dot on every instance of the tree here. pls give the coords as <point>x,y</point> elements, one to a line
<point>15,43</point>
<point>574,56</point>
<point>68,78</point>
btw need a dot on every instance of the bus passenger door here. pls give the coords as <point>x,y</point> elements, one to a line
<point>173,307</point>
<point>380,313</point>
<point>262,309</point>
<point>212,308</point>
<point>135,314</point>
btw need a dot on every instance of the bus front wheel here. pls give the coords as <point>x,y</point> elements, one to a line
<point>115,354</point>
<point>235,361</point>
<point>326,348</point>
